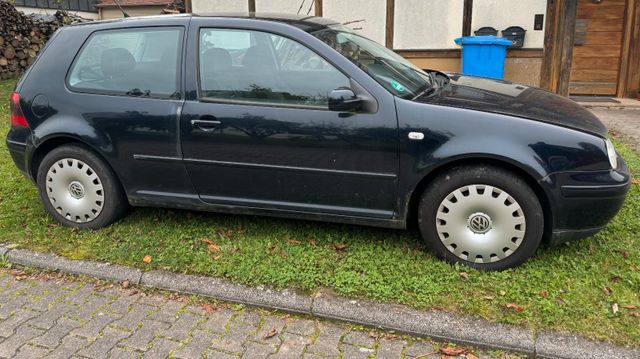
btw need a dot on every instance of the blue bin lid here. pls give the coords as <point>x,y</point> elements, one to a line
<point>482,40</point>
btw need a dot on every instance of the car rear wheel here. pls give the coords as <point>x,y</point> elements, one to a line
<point>78,189</point>
<point>482,216</point>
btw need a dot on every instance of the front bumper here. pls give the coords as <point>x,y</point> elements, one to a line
<point>582,203</point>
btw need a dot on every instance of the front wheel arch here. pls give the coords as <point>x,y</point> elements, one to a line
<point>411,208</point>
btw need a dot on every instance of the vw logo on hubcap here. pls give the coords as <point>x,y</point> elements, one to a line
<point>76,190</point>
<point>479,223</point>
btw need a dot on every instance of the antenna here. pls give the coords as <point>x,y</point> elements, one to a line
<point>124,13</point>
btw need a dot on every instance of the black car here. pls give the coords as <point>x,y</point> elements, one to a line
<point>300,117</point>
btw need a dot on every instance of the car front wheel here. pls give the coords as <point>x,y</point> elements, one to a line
<point>482,216</point>
<point>78,189</point>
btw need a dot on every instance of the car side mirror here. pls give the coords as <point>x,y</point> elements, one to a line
<point>343,99</point>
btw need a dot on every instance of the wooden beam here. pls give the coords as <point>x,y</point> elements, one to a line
<point>629,76</point>
<point>252,5</point>
<point>467,15</point>
<point>558,45</point>
<point>389,28</point>
<point>568,29</point>
<point>317,8</point>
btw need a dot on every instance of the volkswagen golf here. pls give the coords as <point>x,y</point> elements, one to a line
<point>301,117</point>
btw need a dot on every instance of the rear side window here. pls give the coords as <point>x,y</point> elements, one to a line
<point>141,62</point>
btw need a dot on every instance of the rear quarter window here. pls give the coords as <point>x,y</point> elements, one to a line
<point>141,62</point>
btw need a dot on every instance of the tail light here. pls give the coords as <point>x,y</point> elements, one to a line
<point>17,117</point>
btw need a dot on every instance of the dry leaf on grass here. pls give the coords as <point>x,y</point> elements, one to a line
<point>517,307</point>
<point>313,243</point>
<point>293,241</point>
<point>270,333</point>
<point>614,308</point>
<point>470,356</point>
<point>464,275</point>
<point>629,306</point>
<point>543,293</point>
<point>147,259</point>
<point>125,284</point>
<point>339,246</point>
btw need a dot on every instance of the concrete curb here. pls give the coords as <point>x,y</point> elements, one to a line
<point>94,269</point>
<point>221,289</point>
<point>434,324</point>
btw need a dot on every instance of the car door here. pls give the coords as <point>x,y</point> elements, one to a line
<point>260,133</point>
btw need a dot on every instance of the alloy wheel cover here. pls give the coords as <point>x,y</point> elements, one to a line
<point>75,190</point>
<point>480,223</point>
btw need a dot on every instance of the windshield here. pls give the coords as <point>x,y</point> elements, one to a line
<point>391,70</point>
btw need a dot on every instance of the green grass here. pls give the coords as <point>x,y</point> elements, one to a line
<point>385,265</point>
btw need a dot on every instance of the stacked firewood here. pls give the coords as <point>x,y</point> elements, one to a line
<point>23,36</point>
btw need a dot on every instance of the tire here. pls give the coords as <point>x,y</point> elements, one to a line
<point>482,216</point>
<point>79,189</point>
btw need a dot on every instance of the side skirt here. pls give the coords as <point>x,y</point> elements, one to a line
<point>193,202</point>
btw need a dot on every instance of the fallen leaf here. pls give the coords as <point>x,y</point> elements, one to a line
<point>270,333</point>
<point>340,246</point>
<point>606,290</point>
<point>629,306</point>
<point>313,243</point>
<point>208,308</point>
<point>217,257</point>
<point>625,254</point>
<point>225,233</point>
<point>517,307</point>
<point>488,297</point>
<point>635,181</point>
<point>464,275</point>
<point>125,284</point>
<point>293,241</point>
<point>147,259</point>
<point>207,241</point>
<point>560,301</point>
<point>614,308</point>
<point>213,248</point>
<point>470,356</point>
<point>543,293</point>
<point>634,314</point>
<point>453,351</point>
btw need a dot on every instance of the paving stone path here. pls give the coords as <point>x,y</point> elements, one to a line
<point>622,122</point>
<point>48,315</point>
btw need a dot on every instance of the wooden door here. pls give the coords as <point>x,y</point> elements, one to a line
<point>596,54</point>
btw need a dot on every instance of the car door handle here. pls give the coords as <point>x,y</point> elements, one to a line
<point>206,125</point>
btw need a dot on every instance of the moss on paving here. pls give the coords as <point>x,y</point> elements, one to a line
<point>571,287</point>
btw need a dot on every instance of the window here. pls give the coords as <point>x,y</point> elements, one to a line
<point>132,62</point>
<point>254,66</point>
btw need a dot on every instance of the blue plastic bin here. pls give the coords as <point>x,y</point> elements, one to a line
<point>483,55</point>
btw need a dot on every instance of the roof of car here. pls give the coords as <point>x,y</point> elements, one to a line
<point>304,22</point>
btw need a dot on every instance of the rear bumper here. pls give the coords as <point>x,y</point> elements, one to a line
<point>584,202</point>
<point>17,150</point>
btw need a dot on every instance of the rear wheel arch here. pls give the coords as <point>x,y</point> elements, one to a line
<point>411,209</point>
<point>54,142</point>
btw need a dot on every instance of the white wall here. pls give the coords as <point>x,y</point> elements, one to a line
<point>498,14</point>
<point>284,6</point>
<point>208,6</point>
<point>33,10</point>
<point>427,24</point>
<point>372,11</point>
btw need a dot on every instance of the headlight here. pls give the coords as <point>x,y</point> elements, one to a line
<point>611,152</point>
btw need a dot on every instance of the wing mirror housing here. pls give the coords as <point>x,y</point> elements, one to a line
<point>343,99</point>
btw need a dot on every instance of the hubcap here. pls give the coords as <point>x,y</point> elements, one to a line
<point>480,223</point>
<point>75,190</point>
